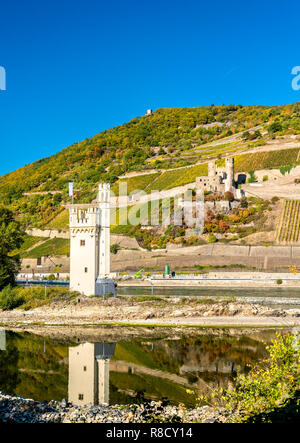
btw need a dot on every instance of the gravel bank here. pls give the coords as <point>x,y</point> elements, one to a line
<point>171,311</point>
<point>20,410</point>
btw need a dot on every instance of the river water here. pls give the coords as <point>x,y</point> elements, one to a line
<point>127,370</point>
<point>274,298</point>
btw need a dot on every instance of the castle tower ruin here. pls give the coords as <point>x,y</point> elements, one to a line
<point>212,169</point>
<point>229,169</point>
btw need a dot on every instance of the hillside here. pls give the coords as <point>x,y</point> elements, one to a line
<point>169,139</point>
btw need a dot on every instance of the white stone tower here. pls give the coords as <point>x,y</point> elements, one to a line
<point>90,246</point>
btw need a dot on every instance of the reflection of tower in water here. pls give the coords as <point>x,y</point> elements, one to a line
<point>2,340</point>
<point>89,373</point>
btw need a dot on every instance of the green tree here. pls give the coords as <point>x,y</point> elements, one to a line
<point>12,237</point>
<point>275,127</point>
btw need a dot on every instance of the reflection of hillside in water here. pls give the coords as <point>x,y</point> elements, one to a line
<point>33,367</point>
<point>127,372</point>
<point>175,365</point>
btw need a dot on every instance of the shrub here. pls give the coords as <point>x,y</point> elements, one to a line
<point>279,281</point>
<point>246,135</point>
<point>275,199</point>
<point>285,169</point>
<point>265,178</point>
<point>275,127</point>
<point>33,297</point>
<point>212,238</point>
<point>244,202</point>
<point>10,299</point>
<point>114,248</point>
<point>252,177</point>
<point>267,389</point>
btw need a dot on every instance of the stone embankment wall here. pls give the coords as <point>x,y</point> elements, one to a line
<point>132,257</point>
<point>259,257</point>
<point>48,264</point>
<point>49,233</point>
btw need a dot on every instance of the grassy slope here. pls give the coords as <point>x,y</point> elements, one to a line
<point>135,183</point>
<point>29,242</point>
<point>61,221</point>
<point>55,246</point>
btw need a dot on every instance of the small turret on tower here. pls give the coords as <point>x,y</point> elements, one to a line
<point>104,244</point>
<point>103,193</point>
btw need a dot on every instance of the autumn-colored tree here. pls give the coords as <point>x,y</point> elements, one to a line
<point>223,226</point>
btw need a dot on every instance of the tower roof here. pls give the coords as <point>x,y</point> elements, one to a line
<point>104,351</point>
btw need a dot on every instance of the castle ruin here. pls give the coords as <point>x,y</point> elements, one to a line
<point>219,179</point>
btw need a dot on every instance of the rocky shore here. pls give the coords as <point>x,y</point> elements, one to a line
<point>144,311</point>
<point>20,410</point>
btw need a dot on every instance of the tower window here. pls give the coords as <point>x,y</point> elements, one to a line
<point>82,242</point>
<point>80,396</point>
<point>84,368</point>
<point>85,269</point>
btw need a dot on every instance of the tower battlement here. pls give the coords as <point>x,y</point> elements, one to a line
<point>84,217</point>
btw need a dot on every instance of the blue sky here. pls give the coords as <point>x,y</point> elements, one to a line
<point>76,67</point>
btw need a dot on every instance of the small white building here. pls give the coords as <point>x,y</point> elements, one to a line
<point>90,246</point>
